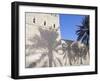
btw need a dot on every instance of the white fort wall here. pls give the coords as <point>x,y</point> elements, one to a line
<point>40,18</point>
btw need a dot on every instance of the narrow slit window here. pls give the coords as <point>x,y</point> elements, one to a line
<point>54,25</point>
<point>34,20</point>
<point>44,23</point>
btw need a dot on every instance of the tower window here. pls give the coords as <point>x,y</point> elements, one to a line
<point>34,20</point>
<point>54,25</point>
<point>44,23</point>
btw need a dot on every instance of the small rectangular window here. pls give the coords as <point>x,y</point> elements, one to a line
<point>34,20</point>
<point>44,23</point>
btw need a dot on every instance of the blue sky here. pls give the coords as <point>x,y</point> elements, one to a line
<point>68,26</point>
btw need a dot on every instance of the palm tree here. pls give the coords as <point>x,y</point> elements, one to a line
<point>83,31</point>
<point>50,37</point>
<point>47,40</point>
<point>67,51</point>
<point>83,35</point>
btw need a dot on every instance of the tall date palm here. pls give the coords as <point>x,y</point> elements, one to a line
<point>47,40</point>
<point>83,36</point>
<point>83,31</point>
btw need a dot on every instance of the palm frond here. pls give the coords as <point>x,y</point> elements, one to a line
<point>83,31</point>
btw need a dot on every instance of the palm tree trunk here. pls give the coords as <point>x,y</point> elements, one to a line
<point>81,60</point>
<point>70,62</point>
<point>50,56</point>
